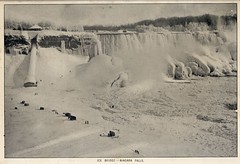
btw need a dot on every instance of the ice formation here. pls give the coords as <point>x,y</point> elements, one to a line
<point>31,76</point>
<point>197,53</point>
<point>132,58</point>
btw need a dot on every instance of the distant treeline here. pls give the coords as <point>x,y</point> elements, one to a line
<point>211,20</point>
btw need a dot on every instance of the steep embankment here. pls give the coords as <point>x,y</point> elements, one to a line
<point>52,67</point>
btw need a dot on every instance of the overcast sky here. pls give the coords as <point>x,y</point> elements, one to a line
<point>109,14</point>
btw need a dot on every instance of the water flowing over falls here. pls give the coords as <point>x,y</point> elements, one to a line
<point>178,55</point>
<point>130,43</point>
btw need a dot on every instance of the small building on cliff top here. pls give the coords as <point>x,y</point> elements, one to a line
<point>35,28</point>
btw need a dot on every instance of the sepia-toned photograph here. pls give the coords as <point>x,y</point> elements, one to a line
<point>120,80</point>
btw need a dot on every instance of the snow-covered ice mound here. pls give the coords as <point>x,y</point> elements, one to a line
<point>99,72</point>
